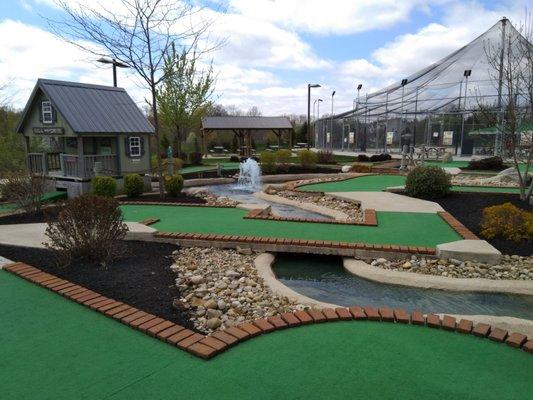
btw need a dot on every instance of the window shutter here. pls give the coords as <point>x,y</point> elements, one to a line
<point>41,112</point>
<point>54,115</point>
<point>142,146</point>
<point>127,146</point>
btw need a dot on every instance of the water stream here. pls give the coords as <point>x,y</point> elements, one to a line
<point>324,279</point>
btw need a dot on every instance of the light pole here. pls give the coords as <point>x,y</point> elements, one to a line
<point>331,131</point>
<point>309,86</point>
<point>466,74</point>
<point>115,64</point>
<point>355,124</point>
<point>404,82</point>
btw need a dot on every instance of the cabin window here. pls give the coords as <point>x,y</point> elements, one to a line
<point>46,109</point>
<point>135,146</point>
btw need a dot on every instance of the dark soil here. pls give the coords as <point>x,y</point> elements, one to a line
<point>141,279</point>
<point>468,208</point>
<point>297,169</point>
<point>49,213</point>
<point>155,198</point>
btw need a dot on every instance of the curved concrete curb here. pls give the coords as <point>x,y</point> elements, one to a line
<point>263,265</point>
<point>297,177</point>
<point>207,181</point>
<point>391,277</point>
<point>328,212</point>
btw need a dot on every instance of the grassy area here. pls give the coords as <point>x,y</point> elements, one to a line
<point>48,197</point>
<point>407,229</point>
<point>52,348</point>
<point>209,167</point>
<point>376,183</point>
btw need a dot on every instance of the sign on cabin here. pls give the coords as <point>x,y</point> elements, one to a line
<point>48,130</point>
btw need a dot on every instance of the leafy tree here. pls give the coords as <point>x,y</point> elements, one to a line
<point>184,93</point>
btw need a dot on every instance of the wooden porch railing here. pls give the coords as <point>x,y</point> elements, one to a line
<point>70,165</point>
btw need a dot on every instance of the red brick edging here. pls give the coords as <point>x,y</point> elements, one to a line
<point>295,242</point>
<point>208,346</point>
<point>457,226</point>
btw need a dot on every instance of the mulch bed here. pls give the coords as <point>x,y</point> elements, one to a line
<point>48,213</point>
<point>468,208</point>
<point>142,278</point>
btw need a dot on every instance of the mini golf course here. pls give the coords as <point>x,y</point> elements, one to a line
<point>404,229</point>
<point>48,197</point>
<point>53,348</point>
<point>376,183</point>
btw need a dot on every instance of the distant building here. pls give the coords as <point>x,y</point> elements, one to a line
<point>86,128</point>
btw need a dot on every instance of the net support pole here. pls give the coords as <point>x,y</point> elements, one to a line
<point>499,132</point>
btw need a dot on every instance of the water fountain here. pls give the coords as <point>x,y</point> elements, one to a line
<point>249,176</point>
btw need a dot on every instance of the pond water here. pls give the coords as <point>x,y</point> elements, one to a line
<point>243,195</point>
<point>324,279</point>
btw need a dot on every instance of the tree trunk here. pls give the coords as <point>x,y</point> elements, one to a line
<point>178,144</point>
<point>156,128</point>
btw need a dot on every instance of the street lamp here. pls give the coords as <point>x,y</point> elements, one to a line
<point>331,131</point>
<point>115,65</point>
<point>354,114</point>
<point>404,82</point>
<point>466,74</point>
<point>309,86</point>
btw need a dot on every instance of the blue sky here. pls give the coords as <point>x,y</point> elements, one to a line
<point>274,47</point>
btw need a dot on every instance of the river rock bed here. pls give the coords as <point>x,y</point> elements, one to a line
<point>511,267</point>
<point>473,180</point>
<point>211,199</point>
<point>351,209</point>
<point>221,288</point>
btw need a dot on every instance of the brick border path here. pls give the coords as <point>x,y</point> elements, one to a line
<point>208,346</point>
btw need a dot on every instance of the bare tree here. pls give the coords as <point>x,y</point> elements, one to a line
<point>254,111</point>
<point>139,34</point>
<point>511,70</point>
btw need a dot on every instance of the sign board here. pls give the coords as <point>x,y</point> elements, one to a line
<point>435,134</point>
<point>351,137</point>
<point>328,136</point>
<point>48,130</point>
<point>447,138</point>
<point>390,137</point>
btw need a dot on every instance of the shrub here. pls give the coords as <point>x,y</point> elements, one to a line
<point>489,163</point>
<point>104,186</point>
<point>268,161</point>
<point>178,164</point>
<point>363,158</point>
<point>133,185</point>
<point>308,159</point>
<point>508,221</point>
<point>234,159</point>
<point>362,168</point>
<point>380,157</point>
<point>325,157</point>
<point>24,189</point>
<point>283,158</point>
<point>173,184</point>
<point>427,182</point>
<point>88,227</point>
<point>195,158</point>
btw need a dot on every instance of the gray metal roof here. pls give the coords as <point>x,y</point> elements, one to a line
<point>92,108</point>
<point>265,123</point>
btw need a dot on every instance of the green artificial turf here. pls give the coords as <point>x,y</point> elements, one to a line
<point>48,197</point>
<point>52,348</point>
<point>377,183</point>
<point>368,183</point>
<point>407,229</point>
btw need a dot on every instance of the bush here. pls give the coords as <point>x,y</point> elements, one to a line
<point>508,221</point>
<point>362,168</point>
<point>24,189</point>
<point>363,158</point>
<point>268,161</point>
<point>308,159</point>
<point>173,184</point>
<point>178,164</point>
<point>380,157</point>
<point>325,157</point>
<point>489,163</point>
<point>283,158</point>
<point>234,159</point>
<point>133,185</point>
<point>427,182</point>
<point>104,186</point>
<point>88,227</point>
<point>195,158</point>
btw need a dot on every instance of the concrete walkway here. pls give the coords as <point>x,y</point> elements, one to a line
<point>385,201</point>
<point>32,235</point>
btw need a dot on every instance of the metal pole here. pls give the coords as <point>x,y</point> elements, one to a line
<point>114,74</point>
<point>463,115</point>
<point>416,114</point>
<point>499,133</point>
<point>331,131</point>
<point>308,114</point>
<point>386,122</point>
<point>366,120</point>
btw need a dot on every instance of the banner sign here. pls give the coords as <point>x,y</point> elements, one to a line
<point>390,137</point>
<point>351,137</point>
<point>48,130</point>
<point>328,137</point>
<point>447,138</point>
